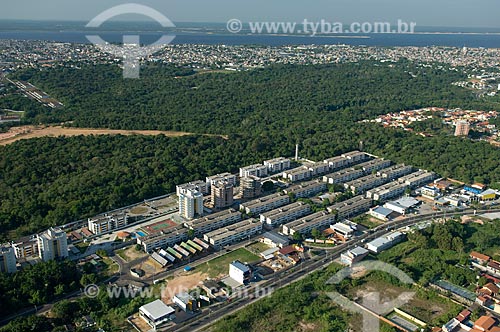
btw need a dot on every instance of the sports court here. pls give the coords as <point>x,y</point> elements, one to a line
<point>158,226</point>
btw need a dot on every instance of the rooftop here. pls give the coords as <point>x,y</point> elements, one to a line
<point>157,309</point>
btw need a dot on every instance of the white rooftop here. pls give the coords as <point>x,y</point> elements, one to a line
<point>157,309</point>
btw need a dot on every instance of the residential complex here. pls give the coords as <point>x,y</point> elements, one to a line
<point>374,165</point>
<point>306,189</point>
<point>26,247</point>
<point>233,233</point>
<point>213,221</point>
<point>201,186</point>
<point>285,214</point>
<point>163,239</point>
<point>387,191</point>
<point>319,220</point>
<point>257,170</point>
<point>7,259</point>
<point>342,176</point>
<point>231,178</point>
<point>222,194</point>
<point>190,204</point>
<point>350,207</point>
<point>264,204</point>
<point>277,164</point>
<point>52,244</point>
<point>365,183</point>
<point>417,179</point>
<point>250,187</point>
<point>107,223</point>
<point>297,174</point>
<point>395,171</point>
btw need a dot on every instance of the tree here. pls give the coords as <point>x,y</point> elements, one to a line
<point>315,233</point>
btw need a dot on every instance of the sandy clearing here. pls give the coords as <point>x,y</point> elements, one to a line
<point>26,132</point>
<point>182,283</point>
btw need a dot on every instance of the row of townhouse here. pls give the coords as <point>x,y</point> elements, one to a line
<point>233,233</point>
<point>306,189</point>
<point>395,171</point>
<point>285,214</point>
<point>350,207</point>
<point>365,183</point>
<point>418,178</point>
<point>163,239</point>
<point>387,191</point>
<point>264,204</point>
<point>344,175</point>
<point>319,168</point>
<point>213,221</point>
<point>319,220</point>
<point>107,223</point>
<point>374,165</point>
<point>346,160</point>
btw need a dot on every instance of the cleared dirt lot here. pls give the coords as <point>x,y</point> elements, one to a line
<point>25,132</point>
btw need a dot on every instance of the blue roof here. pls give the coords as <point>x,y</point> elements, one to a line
<point>383,211</point>
<point>240,266</point>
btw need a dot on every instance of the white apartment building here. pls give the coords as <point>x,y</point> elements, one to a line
<point>201,186</point>
<point>213,221</point>
<point>52,244</point>
<point>163,239</point>
<point>263,204</point>
<point>395,171</point>
<point>257,170</point>
<point>374,165</point>
<point>190,204</point>
<point>337,163</point>
<point>355,156</point>
<point>350,207</point>
<point>306,189</point>
<point>285,214</point>
<point>107,223</point>
<point>297,174</point>
<point>360,185</point>
<point>387,191</point>
<point>233,233</point>
<point>319,220</point>
<point>418,178</point>
<point>231,178</point>
<point>319,168</point>
<point>7,259</point>
<point>343,176</point>
<point>277,164</point>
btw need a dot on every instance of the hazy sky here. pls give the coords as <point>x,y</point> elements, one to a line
<point>463,13</point>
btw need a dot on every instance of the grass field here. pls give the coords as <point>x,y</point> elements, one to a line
<point>257,247</point>
<point>220,265</point>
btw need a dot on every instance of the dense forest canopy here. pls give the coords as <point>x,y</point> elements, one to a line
<point>265,112</point>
